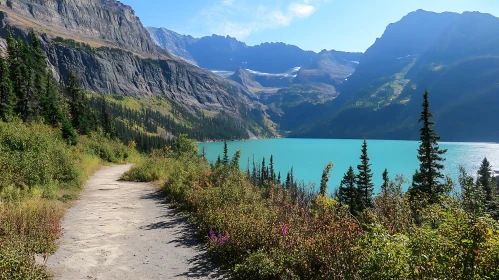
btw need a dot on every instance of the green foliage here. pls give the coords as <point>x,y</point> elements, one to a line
<point>99,145</point>
<point>325,178</point>
<point>427,181</point>
<point>35,155</point>
<point>348,192</point>
<point>365,185</point>
<point>267,231</point>
<point>7,98</point>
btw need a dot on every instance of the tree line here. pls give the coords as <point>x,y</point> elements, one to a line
<point>356,190</point>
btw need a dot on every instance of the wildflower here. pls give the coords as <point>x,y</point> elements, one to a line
<point>212,234</point>
<point>284,229</point>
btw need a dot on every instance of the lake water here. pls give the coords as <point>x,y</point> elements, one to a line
<point>309,156</point>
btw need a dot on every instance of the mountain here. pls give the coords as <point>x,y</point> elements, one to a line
<point>175,43</point>
<point>329,67</point>
<point>111,52</point>
<point>226,53</point>
<point>453,56</point>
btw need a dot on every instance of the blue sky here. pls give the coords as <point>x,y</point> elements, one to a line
<point>347,25</point>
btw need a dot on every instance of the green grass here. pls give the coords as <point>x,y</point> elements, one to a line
<point>40,175</point>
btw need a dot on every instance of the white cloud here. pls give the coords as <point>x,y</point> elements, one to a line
<point>241,18</point>
<point>301,10</point>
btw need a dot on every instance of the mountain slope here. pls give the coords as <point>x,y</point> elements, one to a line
<point>175,43</point>
<point>105,44</point>
<point>456,60</point>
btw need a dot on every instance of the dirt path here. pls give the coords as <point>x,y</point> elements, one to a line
<point>124,230</point>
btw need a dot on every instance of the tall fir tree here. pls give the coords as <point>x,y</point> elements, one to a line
<point>348,192</point>
<point>7,98</point>
<point>39,72</point>
<point>80,113</point>
<point>51,102</point>
<point>427,183</point>
<point>106,120</point>
<point>225,160</point>
<point>365,185</point>
<point>325,179</point>
<point>485,181</point>
<point>386,182</point>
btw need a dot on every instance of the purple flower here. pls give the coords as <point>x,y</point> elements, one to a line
<point>212,234</point>
<point>284,230</point>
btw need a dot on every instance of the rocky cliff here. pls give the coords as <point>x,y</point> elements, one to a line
<point>107,46</point>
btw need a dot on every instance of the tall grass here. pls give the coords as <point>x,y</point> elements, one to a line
<point>267,233</point>
<point>39,174</point>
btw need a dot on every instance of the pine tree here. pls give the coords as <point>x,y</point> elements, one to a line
<point>325,179</point>
<point>80,119</point>
<point>348,192</point>
<point>39,72</point>
<point>107,121</point>
<point>386,182</point>
<point>7,98</point>
<point>68,133</point>
<point>427,181</point>
<point>271,170</point>
<point>485,181</point>
<point>225,160</point>
<point>50,102</point>
<point>364,180</point>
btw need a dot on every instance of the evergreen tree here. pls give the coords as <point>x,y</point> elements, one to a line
<point>235,160</point>
<point>325,179</point>
<point>427,181</point>
<point>14,65</point>
<point>348,192</point>
<point>107,121</point>
<point>50,102</point>
<point>68,133</point>
<point>80,113</point>
<point>225,160</point>
<point>364,180</point>
<point>271,170</point>
<point>485,181</point>
<point>39,72</point>
<point>386,181</point>
<point>7,98</point>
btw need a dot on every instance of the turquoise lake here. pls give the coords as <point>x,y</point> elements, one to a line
<point>309,156</point>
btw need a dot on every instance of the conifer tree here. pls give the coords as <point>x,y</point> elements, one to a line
<point>107,121</point>
<point>365,185</point>
<point>386,181</point>
<point>235,160</point>
<point>68,133</point>
<point>271,170</point>
<point>7,98</point>
<point>485,181</point>
<point>225,160</point>
<point>77,105</point>
<point>427,181</point>
<point>50,102</point>
<point>325,179</point>
<point>39,71</point>
<point>348,192</point>
<point>14,64</point>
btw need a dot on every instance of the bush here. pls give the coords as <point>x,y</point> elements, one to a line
<point>35,155</point>
<point>264,232</point>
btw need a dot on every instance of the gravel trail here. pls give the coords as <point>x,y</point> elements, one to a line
<point>125,230</point>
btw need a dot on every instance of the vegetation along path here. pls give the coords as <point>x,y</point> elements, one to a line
<point>125,230</point>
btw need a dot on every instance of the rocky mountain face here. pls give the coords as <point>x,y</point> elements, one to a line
<point>329,67</point>
<point>105,44</point>
<point>227,53</point>
<point>453,56</point>
<point>175,43</point>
